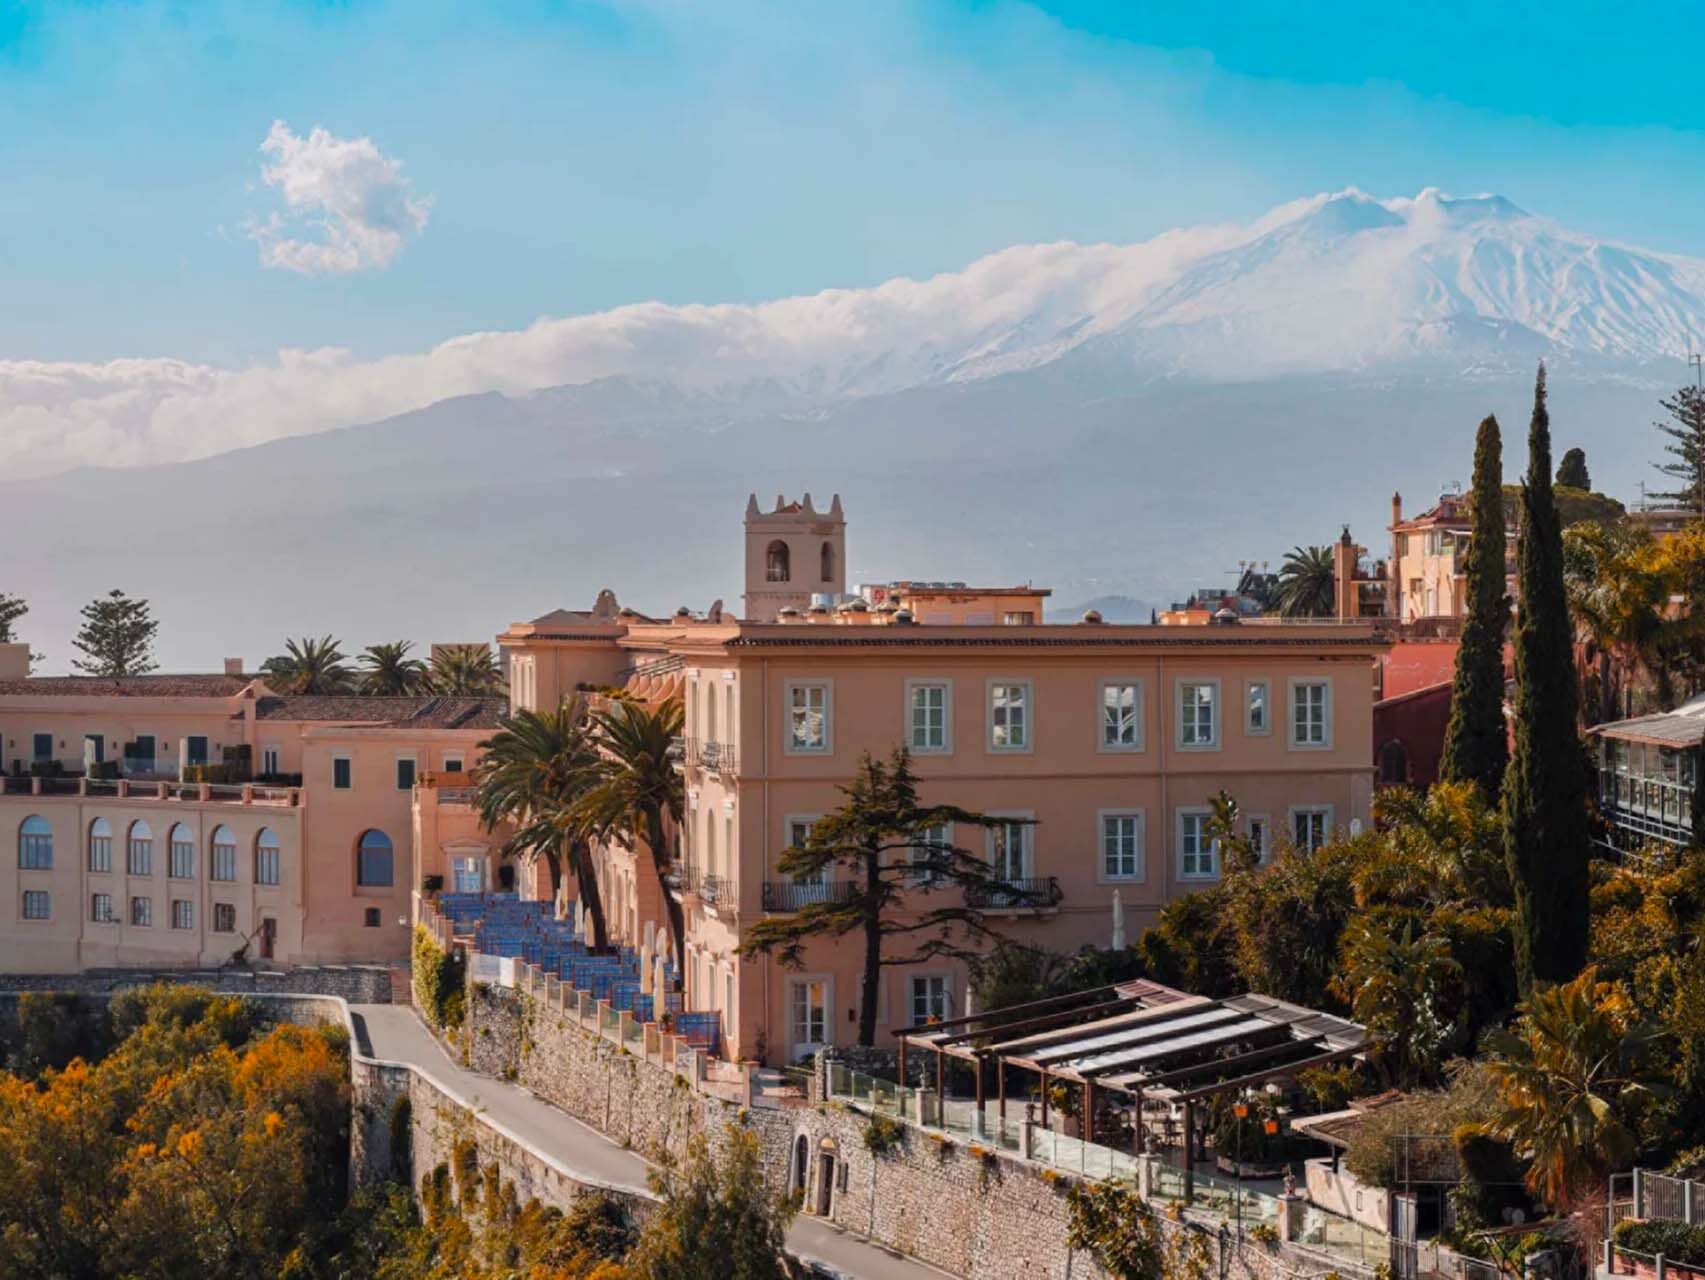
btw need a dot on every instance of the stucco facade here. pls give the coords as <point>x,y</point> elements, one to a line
<point>311,862</point>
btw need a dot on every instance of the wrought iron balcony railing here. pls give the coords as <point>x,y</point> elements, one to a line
<point>718,757</point>
<point>791,895</point>
<point>1030,893</point>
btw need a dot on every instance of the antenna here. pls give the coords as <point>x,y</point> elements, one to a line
<point>1698,362</point>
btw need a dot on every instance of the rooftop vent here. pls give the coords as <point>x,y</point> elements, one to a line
<point>902,617</point>
<point>1092,617</point>
<point>1225,618</point>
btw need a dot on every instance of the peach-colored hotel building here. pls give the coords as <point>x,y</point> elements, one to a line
<point>1108,740</point>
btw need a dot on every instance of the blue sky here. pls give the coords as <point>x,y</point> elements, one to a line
<point>568,157</point>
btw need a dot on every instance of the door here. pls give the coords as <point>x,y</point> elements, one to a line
<point>143,760</point>
<point>825,1183</point>
<point>801,1165</point>
<point>808,1016</point>
<point>268,937</point>
<point>1403,1223</point>
<point>94,748</point>
<point>197,749</point>
<point>467,875</point>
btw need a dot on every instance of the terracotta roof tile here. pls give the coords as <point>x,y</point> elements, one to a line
<point>420,712</point>
<point>150,686</point>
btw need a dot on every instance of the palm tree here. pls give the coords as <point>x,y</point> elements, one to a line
<point>636,792</point>
<point>1398,986</point>
<point>388,671</point>
<point>1306,583</point>
<point>310,666</point>
<point>465,671</point>
<point>1617,595</point>
<point>534,770</point>
<point>1568,1077</point>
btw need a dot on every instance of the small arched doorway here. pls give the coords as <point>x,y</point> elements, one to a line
<point>826,1171</point>
<point>777,566</point>
<point>801,1166</point>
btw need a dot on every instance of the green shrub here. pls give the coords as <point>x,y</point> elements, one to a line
<point>103,770</point>
<point>1677,1241</point>
<point>882,1134</point>
<point>46,769</point>
<point>437,981</point>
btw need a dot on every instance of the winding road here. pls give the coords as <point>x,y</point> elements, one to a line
<point>393,1033</point>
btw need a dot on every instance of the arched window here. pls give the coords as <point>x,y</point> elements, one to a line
<point>35,844</point>
<point>222,859</point>
<point>139,850</point>
<point>266,857</point>
<point>374,864</point>
<point>182,864</point>
<point>100,845</point>
<point>776,567</point>
<point>1393,763</point>
<point>828,559</point>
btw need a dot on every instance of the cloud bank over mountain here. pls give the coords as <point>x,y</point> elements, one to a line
<point>1339,283</point>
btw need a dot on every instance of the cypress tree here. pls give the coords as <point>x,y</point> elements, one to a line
<point>1545,801</point>
<point>1476,748</point>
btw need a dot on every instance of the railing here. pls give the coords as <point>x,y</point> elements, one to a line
<point>1028,893</point>
<point>1633,797</point>
<point>457,795</point>
<point>790,895</point>
<point>1343,1237</point>
<point>167,790</point>
<point>719,757</point>
<point>715,889</point>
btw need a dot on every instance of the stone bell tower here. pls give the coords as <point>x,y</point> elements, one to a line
<point>793,553</point>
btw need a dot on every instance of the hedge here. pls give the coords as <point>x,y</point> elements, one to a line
<point>1677,1241</point>
<point>437,981</point>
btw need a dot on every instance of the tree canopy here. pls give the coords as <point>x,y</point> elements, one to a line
<point>116,638</point>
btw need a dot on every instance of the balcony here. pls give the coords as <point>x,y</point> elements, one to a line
<point>170,791</point>
<point>1029,893</point>
<point>782,896</point>
<point>711,756</point>
<point>714,890</point>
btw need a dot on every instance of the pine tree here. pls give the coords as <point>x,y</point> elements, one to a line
<point>1686,428</point>
<point>11,609</point>
<point>1572,471</point>
<point>1475,748</point>
<point>1545,801</point>
<point>117,637</point>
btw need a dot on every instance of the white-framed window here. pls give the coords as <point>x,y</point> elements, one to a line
<point>930,848</point>
<point>1198,715</point>
<point>180,861</point>
<point>1121,845</point>
<point>1120,715</point>
<point>1257,708</point>
<point>929,716</point>
<point>1311,713</point>
<point>142,912</point>
<point>930,998</point>
<point>224,917</point>
<point>35,844</point>
<point>807,1014</point>
<point>810,717</point>
<point>222,858</point>
<point>38,904</point>
<point>1260,829</point>
<point>267,857</point>
<point>139,850</point>
<point>183,913</point>
<point>343,773</point>
<point>405,773</point>
<point>1198,853</point>
<point>1311,826</point>
<point>100,845</point>
<point>100,908</point>
<point>796,832</point>
<point>1012,853</point>
<point>1010,727</point>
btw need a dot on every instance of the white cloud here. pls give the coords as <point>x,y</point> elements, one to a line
<point>346,205</point>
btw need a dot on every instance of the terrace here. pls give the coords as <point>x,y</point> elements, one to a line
<point>1647,777</point>
<point>84,787</point>
<point>1141,1062</point>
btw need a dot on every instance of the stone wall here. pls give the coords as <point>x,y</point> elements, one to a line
<point>975,1213</point>
<point>356,983</point>
<point>490,1038</point>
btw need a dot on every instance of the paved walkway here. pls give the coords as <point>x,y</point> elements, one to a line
<point>393,1033</point>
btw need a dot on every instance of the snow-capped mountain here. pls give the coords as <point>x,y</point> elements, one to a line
<point>1127,420</point>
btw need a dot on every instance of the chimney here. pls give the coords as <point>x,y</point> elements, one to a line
<point>233,666</point>
<point>14,661</point>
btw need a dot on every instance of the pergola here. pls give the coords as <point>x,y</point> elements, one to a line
<point>1139,1040</point>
